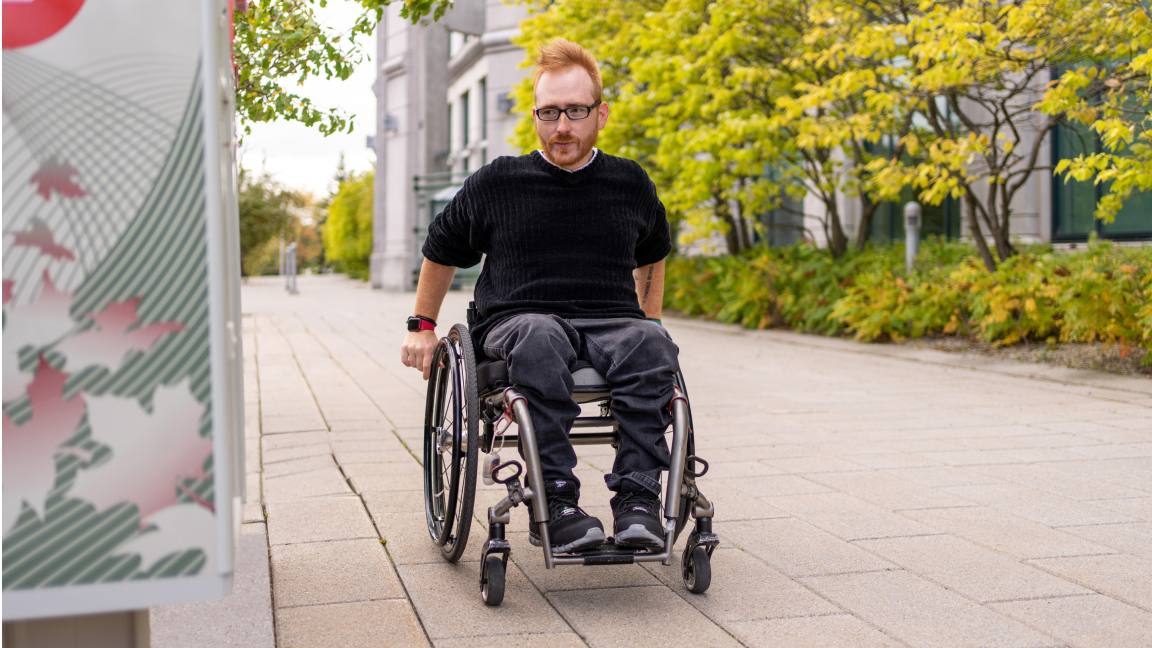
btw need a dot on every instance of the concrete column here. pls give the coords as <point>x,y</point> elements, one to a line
<point>411,140</point>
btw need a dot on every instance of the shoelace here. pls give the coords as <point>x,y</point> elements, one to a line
<point>559,507</point>
<point>639,501</point>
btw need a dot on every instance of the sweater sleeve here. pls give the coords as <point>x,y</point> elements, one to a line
<point>453,233</point>
<point>655,241</point>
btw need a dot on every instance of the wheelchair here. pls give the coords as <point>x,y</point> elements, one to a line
<point>471,409</point>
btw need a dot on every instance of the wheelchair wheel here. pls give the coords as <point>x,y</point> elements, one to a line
<point>492,591</point>
<point>696,569</point>
<point>451,419</point>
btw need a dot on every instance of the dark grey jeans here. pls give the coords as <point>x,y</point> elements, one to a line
<point>638,359</point>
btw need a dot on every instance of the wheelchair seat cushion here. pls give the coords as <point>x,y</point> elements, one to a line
<point>493,374</point>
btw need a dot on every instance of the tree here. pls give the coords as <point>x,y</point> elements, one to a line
<point>347,232</point>
<point>279,44</point>
<point>1109,90</point>
<point>267,211</point>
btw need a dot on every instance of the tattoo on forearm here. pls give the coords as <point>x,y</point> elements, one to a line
<point>647,286</point>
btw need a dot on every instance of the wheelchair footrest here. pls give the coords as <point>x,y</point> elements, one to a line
<point>610,553</point>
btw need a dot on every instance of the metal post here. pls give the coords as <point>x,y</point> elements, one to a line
<point>290,268</point>
<point>912,213</point>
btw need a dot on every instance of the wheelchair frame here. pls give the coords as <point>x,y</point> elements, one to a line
<point>456,410</point>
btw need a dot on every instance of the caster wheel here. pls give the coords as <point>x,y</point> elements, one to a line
<point>493,591</point>
<point>696,568</point>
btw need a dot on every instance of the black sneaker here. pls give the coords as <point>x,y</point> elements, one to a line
<point>637,520</point>
<point>570,529</point>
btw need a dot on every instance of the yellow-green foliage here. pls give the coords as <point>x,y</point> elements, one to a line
<point>1103,294</point>
<point>348,230</point>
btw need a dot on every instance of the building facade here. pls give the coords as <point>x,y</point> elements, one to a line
<point>443,110</point>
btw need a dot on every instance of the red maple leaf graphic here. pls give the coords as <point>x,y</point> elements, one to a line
<point>54,177</point>
<point>110,341</point>
<point>30,448</point>
<point>39,236</point>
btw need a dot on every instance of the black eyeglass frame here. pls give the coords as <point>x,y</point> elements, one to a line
<point>564,111</point>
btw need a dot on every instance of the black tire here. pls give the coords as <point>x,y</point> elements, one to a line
<point>696,568</point>
<point>450,443</point>
<point>492,591</point>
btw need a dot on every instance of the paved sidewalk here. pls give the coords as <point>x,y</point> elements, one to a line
<point>865,496</point>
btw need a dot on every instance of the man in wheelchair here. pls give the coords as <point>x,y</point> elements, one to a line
<point>575,241</point>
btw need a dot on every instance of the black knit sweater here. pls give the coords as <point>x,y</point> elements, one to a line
<point>556,241</point>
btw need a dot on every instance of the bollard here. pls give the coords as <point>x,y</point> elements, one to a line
<point>911,234</point>
<point>290,268</point>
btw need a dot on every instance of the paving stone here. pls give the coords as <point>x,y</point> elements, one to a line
<point>744,588</point>
<point>363,624</point>
<point>315,573</point>
<point>1134,538</point>
<point>1007,533</point>
<point>280,455</point>
<point>978,573</point>
<point>1139,508</point>
<point>1124,577</point>
<point>1115,451</point>
<point>892,460</point>
<point>887,491</point>
<point>270,425</point>
<point>1133,472</point>
<point>1039,506</point>
<point>407,540</point>
<point>447,597</point>
<point>769,485</point>
<point>294,440</point>
<point>846,516</point>
<point>385,477</point>
<point>1047,478</point>
<point>1088,621</point>
<point>813,465</point>
<point>922,613</point>
<point>552,640</point>
<point>654,613</point>
<point>318,519</point>
<point>302,485</point>
<point>825,631</point>
<point>798,548</point>
<point>300,465</point>
<point>938,476</point>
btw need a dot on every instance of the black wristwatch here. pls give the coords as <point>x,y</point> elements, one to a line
<point>421,323</point>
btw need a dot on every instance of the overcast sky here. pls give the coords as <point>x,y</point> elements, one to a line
<point>300,157</point>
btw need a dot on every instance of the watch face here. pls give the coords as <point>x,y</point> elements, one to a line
<point>413,324</point>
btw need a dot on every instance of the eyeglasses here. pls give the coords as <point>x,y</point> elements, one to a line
<point>573,112</point>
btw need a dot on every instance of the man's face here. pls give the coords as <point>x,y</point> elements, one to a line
<point>567,142</point>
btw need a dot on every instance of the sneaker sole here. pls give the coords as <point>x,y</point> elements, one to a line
<point>638,536</point>
<point>592,538</point>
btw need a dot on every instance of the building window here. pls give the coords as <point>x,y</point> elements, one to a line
<point>1074,203</point>
<point>941,220</point>
<point>484,120</point>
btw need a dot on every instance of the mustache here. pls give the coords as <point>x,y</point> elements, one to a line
<point>562,140</point>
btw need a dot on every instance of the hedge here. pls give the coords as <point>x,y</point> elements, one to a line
<point>1099,294</point>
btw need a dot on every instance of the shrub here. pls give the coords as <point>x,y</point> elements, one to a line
<point>1102,294</point>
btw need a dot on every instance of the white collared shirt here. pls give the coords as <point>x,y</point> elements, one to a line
<point>595,152</point>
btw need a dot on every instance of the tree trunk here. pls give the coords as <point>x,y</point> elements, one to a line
<point>978,235</point>
<point>864,227</point>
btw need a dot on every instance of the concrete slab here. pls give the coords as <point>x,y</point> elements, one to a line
<point>798,548</point>
<point>243,619</point>
<point>1124,577</point>
<point>654,613</point>
<point>1088,621</point>
<point>1012,535</point>
<point>745,588</point>
<point>921,613</point>
<point>364,624</point>
<point>344,571</point>
<point>825,631</point>
<point>447,598</point>
<point>317,520</point>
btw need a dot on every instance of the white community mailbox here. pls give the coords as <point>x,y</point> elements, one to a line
<point>122,385</point>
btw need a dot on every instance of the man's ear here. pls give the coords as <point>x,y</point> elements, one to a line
<point>602,115</point>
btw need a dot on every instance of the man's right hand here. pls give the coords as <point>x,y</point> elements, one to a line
<point>416,352</point>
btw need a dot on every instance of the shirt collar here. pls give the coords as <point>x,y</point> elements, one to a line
<point>595,152</point>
